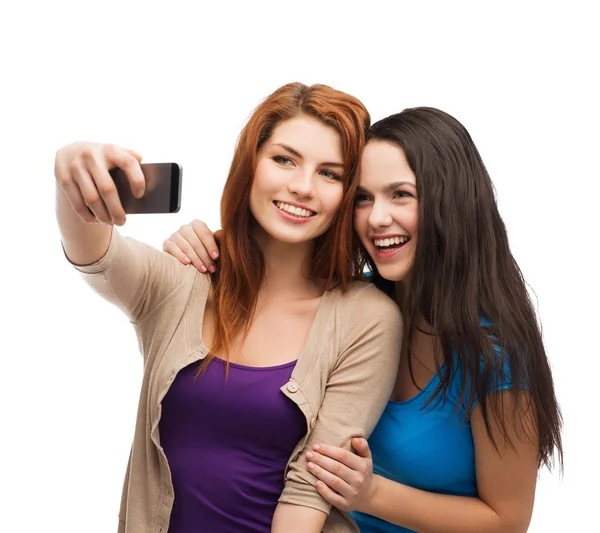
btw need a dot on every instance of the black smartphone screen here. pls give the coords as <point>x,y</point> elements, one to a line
<point>163,189</point>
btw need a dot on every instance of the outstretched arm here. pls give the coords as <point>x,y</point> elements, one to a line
<point>133,276</point>
<point>87,201</point>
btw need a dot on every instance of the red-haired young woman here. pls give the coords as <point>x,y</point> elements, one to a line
<point>246,370</point>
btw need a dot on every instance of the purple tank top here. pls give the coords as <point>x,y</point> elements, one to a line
<point>227,443</point>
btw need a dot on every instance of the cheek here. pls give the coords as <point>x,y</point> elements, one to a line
<point>331,197</point>
<point>406,216</point>
<point>412,225</point>
<point>257,190</point>
<point>413,221</point>
<point>260,178</point>
<point>262,182</point>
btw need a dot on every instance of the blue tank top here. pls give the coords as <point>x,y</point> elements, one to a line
<point>227,444</point>
<point>429,448</point>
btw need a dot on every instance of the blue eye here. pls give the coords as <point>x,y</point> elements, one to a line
<point>282,160</point>
<point>331,175</point>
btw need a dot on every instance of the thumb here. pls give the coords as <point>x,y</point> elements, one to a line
<point>362,447</point>
<point>134,154</point>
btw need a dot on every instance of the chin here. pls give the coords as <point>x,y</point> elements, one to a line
<point>285,236</point>
<point>393,272</point>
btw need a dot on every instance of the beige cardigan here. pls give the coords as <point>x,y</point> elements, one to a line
<point>341,382</point>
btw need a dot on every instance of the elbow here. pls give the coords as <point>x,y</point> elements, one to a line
<point>514,524</point>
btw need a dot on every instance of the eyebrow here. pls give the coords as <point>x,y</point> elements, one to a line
<point>300,156</point>
<point>390,186</point>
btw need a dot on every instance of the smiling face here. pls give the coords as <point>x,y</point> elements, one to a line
<point>297,188</point>
<point>386,213</point>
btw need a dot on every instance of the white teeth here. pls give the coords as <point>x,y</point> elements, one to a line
<point>392,241</point>
<point>298,211</point>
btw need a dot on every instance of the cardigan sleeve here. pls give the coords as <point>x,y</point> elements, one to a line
<point>133,276</point>
<point>357,389</point>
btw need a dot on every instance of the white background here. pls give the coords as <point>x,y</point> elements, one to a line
<point>176,82</point>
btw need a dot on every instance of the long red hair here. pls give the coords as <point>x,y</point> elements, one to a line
<point>239,277</point>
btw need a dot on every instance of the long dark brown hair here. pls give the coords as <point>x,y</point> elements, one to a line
<point>239,277</point>
<point>465,282</point>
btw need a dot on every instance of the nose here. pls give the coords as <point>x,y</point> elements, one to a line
<point>379,217</point>
<point>301,184</point>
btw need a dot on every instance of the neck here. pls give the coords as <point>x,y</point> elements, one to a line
<point>426,347</point>
<point>401,298</point>
<point>287,267</point>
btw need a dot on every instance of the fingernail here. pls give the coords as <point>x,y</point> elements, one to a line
<point>187,260</point>
<point>203,269</point>
<point>215,255</point>
<point>212,269</point>
<point>309,455</point>
<point>311,465</point>
<point>316,447</point>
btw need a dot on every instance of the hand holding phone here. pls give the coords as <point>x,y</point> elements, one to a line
<point>82,172</point>
<point>162,193</point>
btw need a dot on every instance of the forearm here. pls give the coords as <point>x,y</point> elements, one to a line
<point>84,243</point>
<point>289,518</point>
<point>428,512</point>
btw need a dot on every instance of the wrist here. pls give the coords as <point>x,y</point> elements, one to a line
<point>367,504</point>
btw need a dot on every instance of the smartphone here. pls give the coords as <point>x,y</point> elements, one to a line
<point>163,189</point>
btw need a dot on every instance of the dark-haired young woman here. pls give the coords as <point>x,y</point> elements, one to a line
<point>246,370</point>
<point>473,414</point>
